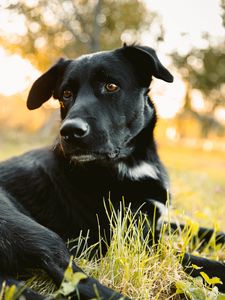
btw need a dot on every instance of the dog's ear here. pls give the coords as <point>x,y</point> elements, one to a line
<point>146,64</point>
<point>43,88</point>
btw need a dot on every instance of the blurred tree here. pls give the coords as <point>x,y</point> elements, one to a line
<point>223,11</point>
<point>73,27</point>
<point>204,70</point>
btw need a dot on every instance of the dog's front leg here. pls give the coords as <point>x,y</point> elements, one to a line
<point>24,243</point>
<point>211,268</point>
<point>204,234</point>
<point>194,265</point>
<point>87,288</point>
<point>189,262</point>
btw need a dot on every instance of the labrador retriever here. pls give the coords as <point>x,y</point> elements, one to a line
<point>105,144</point>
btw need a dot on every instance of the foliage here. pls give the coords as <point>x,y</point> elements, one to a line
<point>70,281</point>
<point>73,27</point>
<point>196,293</point>
<point>203,69</point>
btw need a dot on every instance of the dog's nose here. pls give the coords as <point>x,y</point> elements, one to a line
<point>74,129</point>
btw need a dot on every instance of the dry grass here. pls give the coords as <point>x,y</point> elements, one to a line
<point>138,271</point>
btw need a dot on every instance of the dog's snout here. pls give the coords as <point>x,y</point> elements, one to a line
<point>74,129</point>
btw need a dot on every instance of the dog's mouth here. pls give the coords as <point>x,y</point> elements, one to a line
<point>104,154</point>
<point>89,156</point>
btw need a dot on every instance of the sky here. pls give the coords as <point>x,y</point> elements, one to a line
<point>184,21</point>
<point>191,17</point>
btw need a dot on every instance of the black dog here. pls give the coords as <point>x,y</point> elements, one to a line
<point>106,144</point>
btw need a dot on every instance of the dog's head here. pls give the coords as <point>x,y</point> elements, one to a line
<point>104,100</point>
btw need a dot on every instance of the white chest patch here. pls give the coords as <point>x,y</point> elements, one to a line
<point>142,169</point>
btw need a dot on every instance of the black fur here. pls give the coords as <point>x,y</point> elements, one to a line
<point>106,145</point>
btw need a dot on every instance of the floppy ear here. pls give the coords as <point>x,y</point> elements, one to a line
<point>43,88</point>
<point>146,64</point>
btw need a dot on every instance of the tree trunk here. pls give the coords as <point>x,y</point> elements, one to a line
<point>95,37</point>
<point>187,99</point>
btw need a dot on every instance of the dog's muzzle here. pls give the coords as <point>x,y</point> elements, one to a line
<point>76,143</point>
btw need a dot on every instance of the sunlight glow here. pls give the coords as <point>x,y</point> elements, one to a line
<point>16,73</point>
<point>197,100</point>
<point>171,133</point>
<point>168,98</point>
<point>186,21</point>
<point>220,114</point>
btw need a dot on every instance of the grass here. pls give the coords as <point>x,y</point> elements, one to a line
<point>138,271</point>
<point>197,183</point>
<point>198,188</point>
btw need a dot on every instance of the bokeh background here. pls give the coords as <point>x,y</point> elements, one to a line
<point>189,36</point>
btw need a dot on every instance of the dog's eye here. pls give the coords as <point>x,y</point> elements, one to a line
<point>67,95</point>
<point>111,87</point>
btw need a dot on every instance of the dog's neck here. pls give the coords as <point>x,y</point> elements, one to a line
<point>144,161</point>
